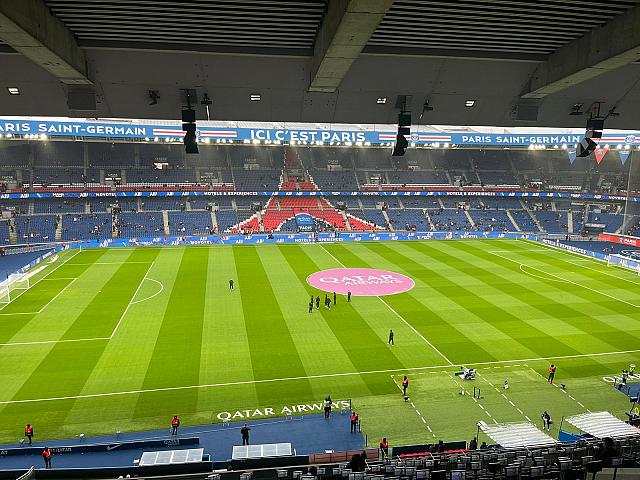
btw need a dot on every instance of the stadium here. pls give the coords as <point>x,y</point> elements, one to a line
<point>332,239</point>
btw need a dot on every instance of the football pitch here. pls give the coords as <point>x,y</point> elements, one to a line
<point>108,340</point>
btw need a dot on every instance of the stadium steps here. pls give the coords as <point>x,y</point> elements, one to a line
<point>513,220</point>
<point>187,205</point>
<point>426,214</point>
<point>165,222</point>
<point>346,219</point>
<point>473,224</point>
<point>214,221</point>
<point>386,218</point>
<point>31,208</point>
<point>535,220</point>
<point>58,234</point>
<point>13,234</point>
<point>87,207</point>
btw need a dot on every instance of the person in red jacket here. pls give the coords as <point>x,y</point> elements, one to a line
<point>552,373</point>
<point>46,455</point>
<point>28,432</point>
<point>405,385</point>
<point>175,423</point>
<point>354,422</point>
<point>384,447</point>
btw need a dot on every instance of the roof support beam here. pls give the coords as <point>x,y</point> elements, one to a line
<point>345,31</point>
<point>29,27</point>
<point>611,46</point>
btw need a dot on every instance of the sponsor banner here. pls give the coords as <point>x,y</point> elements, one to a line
<point>572,155</point>
<point>620,239</point>
<point>102,447</point>
<point>253,413</point>
<point>232,239</point>
<point>141,131</point>
<point>360,282</point>
<point>431,193</point>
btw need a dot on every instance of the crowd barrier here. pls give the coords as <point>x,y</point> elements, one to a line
<point>276,238</point>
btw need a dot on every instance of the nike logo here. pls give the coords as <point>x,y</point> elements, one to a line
<point>112,447</point>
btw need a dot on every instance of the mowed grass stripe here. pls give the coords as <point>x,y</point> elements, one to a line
<point>273,351</point>
<point>529,337</point>
<point>450,340</point>
<point>365,349</point>
<point>532,291</point>
<point>67,366</point>
<point>10,325</point>
<point>176,356</point>
<point>585,323</point>
<point>599,291</point>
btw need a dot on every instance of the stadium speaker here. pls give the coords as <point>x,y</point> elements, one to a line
<point>585,147</point>
<point>189,127</point>
<point>401,141</point>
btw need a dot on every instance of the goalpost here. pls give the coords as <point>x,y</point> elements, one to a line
<point>14,283</point>
<point>616,260</point>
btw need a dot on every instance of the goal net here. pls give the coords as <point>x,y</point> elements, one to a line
<point>11,287</point>
<point>623,261</point>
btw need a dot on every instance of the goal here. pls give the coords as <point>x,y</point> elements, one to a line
<point>616,260</point>
<point>11,287</point>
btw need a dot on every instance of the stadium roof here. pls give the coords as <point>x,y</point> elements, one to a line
<point>520,62</point>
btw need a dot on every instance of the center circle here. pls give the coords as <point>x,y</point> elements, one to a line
<point>361,282</point>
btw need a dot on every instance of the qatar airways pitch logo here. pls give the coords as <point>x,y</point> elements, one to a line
<point>361,282</point>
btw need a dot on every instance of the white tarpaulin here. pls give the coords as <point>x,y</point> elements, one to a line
<point>517,435</point>
<point>602,424</point>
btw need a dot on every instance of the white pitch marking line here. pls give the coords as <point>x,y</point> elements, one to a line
<point>569,281</point>
<point>57,295</point>
<point>46,342</point>
<point>47,304</point>
<point>109,263</point>
<point>41,279</point>
<point>550,248</point>
<point>398,315</point>
<point>131,301</point>
<point>155,294</point>
<point>528,419</point>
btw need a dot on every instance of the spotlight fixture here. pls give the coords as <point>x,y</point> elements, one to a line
<point>577,109</point>
<point>154,96</point>
<point>469,103</point>
<point>425,108</point>
<point>255,97</point>
<point>381,100</point>
<point>13,90</point>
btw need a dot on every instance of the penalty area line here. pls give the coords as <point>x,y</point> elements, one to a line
<point>398,315</point>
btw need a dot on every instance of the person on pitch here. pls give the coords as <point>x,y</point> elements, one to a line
<point>311,307</point>
<point>317,302</point>
<point>349,296</point>
<point>552,373</point>
<point>391,335</point>
<point>334,298</point>
<point>405,385</point>
<point>231,284</point>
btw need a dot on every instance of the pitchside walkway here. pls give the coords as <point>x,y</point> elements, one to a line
<point>308,434</point>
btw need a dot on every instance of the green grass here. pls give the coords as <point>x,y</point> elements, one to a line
<point>122,339</point>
